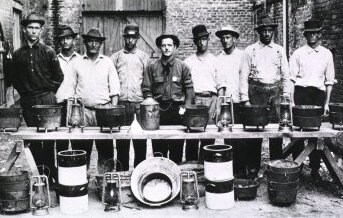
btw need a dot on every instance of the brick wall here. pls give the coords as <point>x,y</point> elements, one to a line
<point>182,15</point>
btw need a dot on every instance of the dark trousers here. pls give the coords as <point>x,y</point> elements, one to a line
<point>123,146</point>
<point>265,94</point>
<point>169,115</point>
<point>193,151</point>
<point>308,96</point>
<point>42,151</point>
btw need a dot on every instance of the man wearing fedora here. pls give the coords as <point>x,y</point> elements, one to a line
<point>36,75</point>
<point>67,58</point>
<point>168,80</point>
<point>313,76</point>
<point>229,63</point>
<point>130,63</point>
<point>264,77</point>
<point>97,83</point>
<point>207,83</point>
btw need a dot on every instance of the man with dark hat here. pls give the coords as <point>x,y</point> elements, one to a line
<point>264,77</point>
<point>207,83</point>
<point>97,83</point>
<point>36,75</point>
<point>67,58</point>
<point>168,80</point>
<point>313,75</point>
<point>229,63</point>
<point>130,63</point>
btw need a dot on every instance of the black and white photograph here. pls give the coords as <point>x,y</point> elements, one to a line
<point>171,108</point>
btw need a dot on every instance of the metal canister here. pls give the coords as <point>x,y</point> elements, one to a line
<point>150,114</point>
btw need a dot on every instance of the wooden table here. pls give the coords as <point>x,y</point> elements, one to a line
<point>180,132</point>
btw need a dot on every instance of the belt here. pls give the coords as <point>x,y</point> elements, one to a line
<point>205,94</point>
<point>265,85</point>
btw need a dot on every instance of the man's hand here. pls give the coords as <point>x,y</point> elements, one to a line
<point>247,103</point>
<point>326,109</point>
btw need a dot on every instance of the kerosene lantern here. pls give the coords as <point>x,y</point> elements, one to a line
<point>75,113</point>
<point>225,120</point>
<point>189,193</point>
<point>111,192</point>
<point>285,116</point>
<point>40,195</point>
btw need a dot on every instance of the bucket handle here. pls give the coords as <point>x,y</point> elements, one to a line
<point>43,168</point>
<point>115,163</point>
<point>156,154</point>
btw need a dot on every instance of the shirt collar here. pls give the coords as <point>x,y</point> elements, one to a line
<point>170,61</point>
<point>133,51</point>
<point>202,57</point>
<point>60,55</point>
<point>310,49</point>
<point>270,45</point>
<point>101,56</point>
<point>36,44</point>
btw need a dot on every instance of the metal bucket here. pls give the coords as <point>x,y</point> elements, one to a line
<point>218,162</point>
<point>195,116</point>
<point>10,118</point>
<point>160,173</point>
<point>48,116</point>
<point>150,114</point>
<point>14,192</point>
<point>73,183</point>
<point>110,117</point>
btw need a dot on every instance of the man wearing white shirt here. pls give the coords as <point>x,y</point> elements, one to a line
<point>229,64</point>
<point>207,83</point>
<point>313,76</point>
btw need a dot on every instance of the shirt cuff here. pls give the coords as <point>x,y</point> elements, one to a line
<point>330,82</point>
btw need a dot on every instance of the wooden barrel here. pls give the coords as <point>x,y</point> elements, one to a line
<point>73,183</point>
<point>14,192</point>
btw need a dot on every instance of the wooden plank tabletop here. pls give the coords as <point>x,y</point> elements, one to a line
<point>169,132</point>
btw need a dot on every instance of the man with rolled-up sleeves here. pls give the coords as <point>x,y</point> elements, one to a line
<point>97,83</point>
<point>264,77</point>
<point>313,76</point>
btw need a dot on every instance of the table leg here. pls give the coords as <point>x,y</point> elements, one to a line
<point>308,149</point>
<point>287,149</point>
<point>331,164</point>
<point>30,160</point>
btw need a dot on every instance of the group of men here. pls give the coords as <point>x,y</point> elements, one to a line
<point>258,75</point>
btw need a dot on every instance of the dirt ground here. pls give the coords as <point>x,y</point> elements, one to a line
<point>313,199</point>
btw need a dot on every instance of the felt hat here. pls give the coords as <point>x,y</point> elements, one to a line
<point>93,33</point>
<point>131,29</point>
<point>65,30</point>
<point>200,31</point>
<point>265,21</point>
<point>33,17</point>
<point>165,35</point>
<point>312,26</point>
<point>227,30</point>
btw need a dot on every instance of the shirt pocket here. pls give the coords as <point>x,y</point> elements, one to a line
<point>177,86</point>
<point>157,87</point>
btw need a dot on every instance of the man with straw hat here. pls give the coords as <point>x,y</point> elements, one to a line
<point>96,81</point>
<point>208,85</point>
<point>313,76</point>
<point>36,75</point>
<point>168,81</point>
<point>130,63</point>
<point>264,77</point>
<point>229,63</point>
